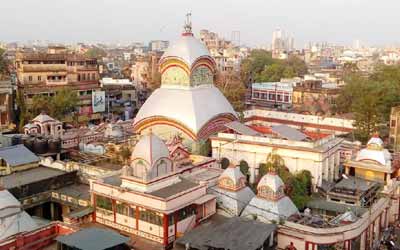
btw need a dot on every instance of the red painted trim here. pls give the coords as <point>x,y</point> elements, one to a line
<point>94,205</point>
<point>165,228</point>
<point>114,207</point>
<point>305,124</point>
<point>172,65</point>
<point>137,217</point>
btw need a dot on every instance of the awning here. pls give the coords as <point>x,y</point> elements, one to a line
<point>204,199</point>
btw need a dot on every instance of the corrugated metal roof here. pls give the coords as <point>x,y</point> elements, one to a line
<point>241,128</point>
<point>288,133</point>
<point>18,155</point>
<point>93,239</point>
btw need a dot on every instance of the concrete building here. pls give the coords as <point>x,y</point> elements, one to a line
<point>40,73</point>
<point>271,94</point>
<point>158,45</point>
<point>318,123</point>
<point>150,198</point>
<point>319,154</point>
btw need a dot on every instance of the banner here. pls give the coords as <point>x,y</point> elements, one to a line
<point>98,101</point>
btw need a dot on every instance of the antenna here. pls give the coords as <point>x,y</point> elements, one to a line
<point>188,23</point>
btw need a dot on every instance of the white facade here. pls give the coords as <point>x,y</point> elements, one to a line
<point>321,157</point>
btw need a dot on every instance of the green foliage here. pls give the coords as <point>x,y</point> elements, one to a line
<point>261,67</point>
<point>125,153</point>
<point>3,64</point>
<point>370,99</point>
<point>96,52</point>
<point>23,115</point>
<point>224,163</point>
<point>297,185</point>
<point>244,167</point>
<point>59,106</point>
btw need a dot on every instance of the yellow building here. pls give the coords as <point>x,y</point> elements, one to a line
<point>45,73</point>
<point>373,163</point>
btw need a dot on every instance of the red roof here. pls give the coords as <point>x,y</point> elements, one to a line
<point>310,134</point>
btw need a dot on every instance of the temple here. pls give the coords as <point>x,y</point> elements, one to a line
<point>187,103</point>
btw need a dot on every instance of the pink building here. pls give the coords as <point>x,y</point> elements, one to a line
<point>150,198</point>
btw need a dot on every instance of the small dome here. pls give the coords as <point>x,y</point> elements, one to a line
<point>150,148</point>
<point>375,140</point>
<point>271,180</point>
<point>113,130</point>
<point>187,48</point>
<point>232,178</point>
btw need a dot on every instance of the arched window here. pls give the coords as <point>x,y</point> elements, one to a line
<point>225,163</point>
<point>139,170</point>
<point>162,168</point>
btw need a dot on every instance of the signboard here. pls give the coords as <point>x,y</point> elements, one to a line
<point>98,101</point>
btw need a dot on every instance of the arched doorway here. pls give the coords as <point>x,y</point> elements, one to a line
<point>244,168</point>
<point>225,163</point>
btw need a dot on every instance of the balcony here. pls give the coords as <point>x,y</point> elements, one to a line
<point>44,67</point>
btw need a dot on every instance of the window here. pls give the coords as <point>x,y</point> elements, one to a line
<point>83,77</point>
<point>104,202</point>
<point>93,76</point>
<point>79,77</point>
<point>39,78</point>
<point>393,123</point>
<point>150,216</point>
<point>30,78</point>
<point>286,98</point>
<point>271,96</point>
<point>125,209</point>
<point>186,212</point>
<point>256,95</point>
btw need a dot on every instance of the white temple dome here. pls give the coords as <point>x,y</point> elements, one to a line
<point>188,49</point>
<point>232,178</point>
<point>150,148</point>
<point>375,152</point>
<point>271,180</point>
<point>187,100</point>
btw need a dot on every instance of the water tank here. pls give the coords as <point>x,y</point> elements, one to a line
<point>40,145</point>
<point>54,145</point>
<point>15,140</point>
<point>29,141</point>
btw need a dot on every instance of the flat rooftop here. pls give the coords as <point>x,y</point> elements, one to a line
<point>80,191</point>
<point>29,176</point>
<point>173,189</point>
<point>235,234</point>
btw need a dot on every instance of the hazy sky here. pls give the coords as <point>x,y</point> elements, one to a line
<point>342,21</point>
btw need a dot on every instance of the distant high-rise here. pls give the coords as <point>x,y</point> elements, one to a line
<point>281,42</point>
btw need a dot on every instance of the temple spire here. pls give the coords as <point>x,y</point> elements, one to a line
<point>188,24</point>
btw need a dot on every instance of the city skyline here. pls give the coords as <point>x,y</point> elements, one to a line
<point>126,21</point>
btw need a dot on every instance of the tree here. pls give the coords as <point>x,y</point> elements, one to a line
<point>59,106</point>
<point>23,115</point>
<point>232,88</point>
<point>370,99</point>
<point>125,153</point>
<point>64,103</point>
<point>96,52</point>
<point>244,167</point>
<point>297,186</point>
<point>261,67</point>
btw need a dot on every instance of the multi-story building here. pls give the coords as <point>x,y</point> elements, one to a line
<point>158,45</point>
<point>41,73</point>
<point>312,96</point>
<point>271,94</point>
<point>227,55</point>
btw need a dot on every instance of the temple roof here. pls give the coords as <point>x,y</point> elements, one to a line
<point>191,107</point>
<point>150,148</point>
<point>272,181</point>
<point>188,49</point>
